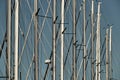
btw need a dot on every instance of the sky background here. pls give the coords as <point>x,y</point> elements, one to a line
<point>110,14</point>
<point>111,11</point>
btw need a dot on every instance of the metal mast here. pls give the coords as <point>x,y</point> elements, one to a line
<point>54,40</point>
<point>110,52</point>
<point>92,42</point>
<point>84,38</point>
<point>36,38</point>
<point>62,37</point>
<point>8,38</point>
<point>98,44</point>
<point>107,60</point>
<point>16,39</point>
<point>74,41</point>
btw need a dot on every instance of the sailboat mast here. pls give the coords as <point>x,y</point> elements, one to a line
<point>110,52</point>
<point>54,40</point>
<point>107,60</point>
<point>62,37</point>
<point>16,39</point>
<point>74,41</point>
<point>36,39</point>
<point>84,40</point>
<point>98,44</point>
<point>8,39</point>
<point>92,42</point>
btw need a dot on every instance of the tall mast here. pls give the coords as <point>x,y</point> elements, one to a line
<point>107,60</point>
<point>98,44</point>
<point>16,39</point>
<point>74,41</point>
<point>8,38</point>
<point>62,37</point>
<point>54,40</point>
<point>110,52</point>
<point>36,38</point>
<point>92,42</point>
<point>84,39</point>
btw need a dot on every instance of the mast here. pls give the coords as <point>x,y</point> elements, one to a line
<point>62,37</point>
<point>54,40</point>
<point>107,60</point>
<point>98,44</point>
<point>92,42</point>
<point>74,41</point>
<point>16,39</point>
<point>36,38</point>
<point>110,52</point>
<point>84,40</point>
<point>8,39</point>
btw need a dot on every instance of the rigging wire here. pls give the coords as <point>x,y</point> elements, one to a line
<point>25,40</point>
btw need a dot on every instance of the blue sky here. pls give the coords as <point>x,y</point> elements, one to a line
<point>111,12</point>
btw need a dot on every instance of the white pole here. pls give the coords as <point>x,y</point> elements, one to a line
<point>62,37</point>
<point>54,40</point>
<point>92,42</point>
<point>98,44</point>
<point>8,38</point>
<point>36,38</point>
<point>16,39</point>
<point>84,36</point>
<point>110,52</point>
<point>107,60</point>
<point>74,41</point>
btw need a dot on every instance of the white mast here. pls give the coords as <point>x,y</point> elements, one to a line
<point>74,41</point>
<point>8,38</point>
<point>62,37</point>
<point>98,44</point>
<point>36,38</point>
<point>92,42</point>
<point>16,39</point>
<point>107,60</point>
<point>84,38</point>
<point>110,52</point>
<point>54,40</point>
